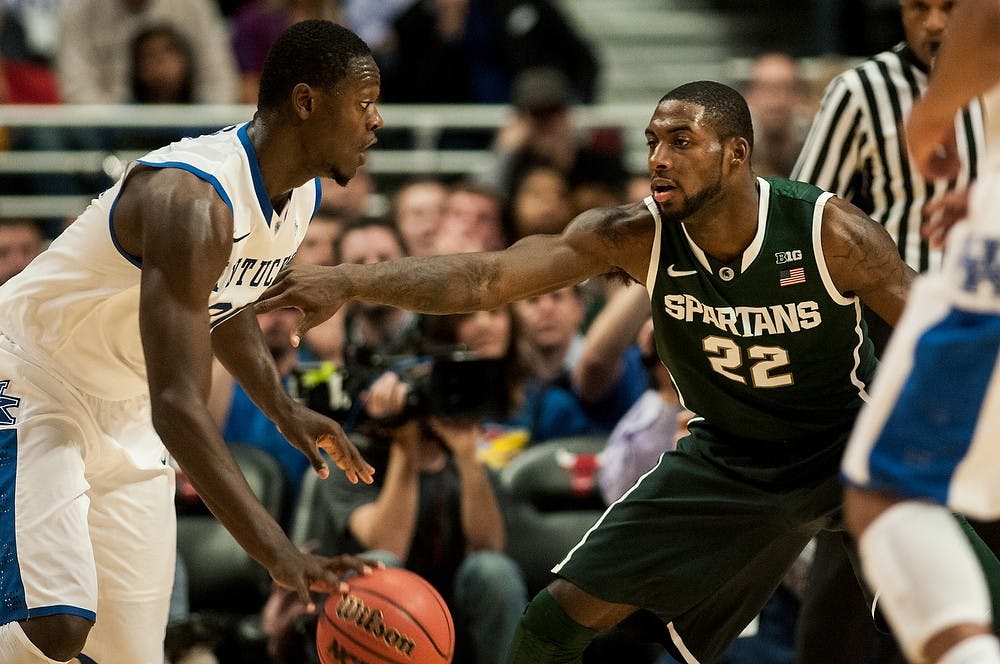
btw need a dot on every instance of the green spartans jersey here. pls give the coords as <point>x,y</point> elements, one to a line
<point>763,348</point>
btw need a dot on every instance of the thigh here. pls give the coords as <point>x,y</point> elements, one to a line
<point>698,546</point>
<point>930,428</point>
<point>47,564</point>
<point>133,530</point>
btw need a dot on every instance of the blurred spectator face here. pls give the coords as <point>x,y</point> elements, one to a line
<point>419,209</point>
<point>354,199</point>
<point>550,320</point>
<point>278,326</point>
<point>163,70</point>
<point>20,241</point>
<point>367,245</point>
<point>924,22</point>
<point>774,92</point>
<point>541,203</point>
<point>317,247</point>
<point>370,244</point>
<point>473,216</point>
<point>486,333</point>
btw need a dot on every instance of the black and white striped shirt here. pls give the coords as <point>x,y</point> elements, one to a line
<point>856,149</point>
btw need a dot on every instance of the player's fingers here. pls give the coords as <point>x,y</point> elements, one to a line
<point>347,457</point>
<point>316,459</point>
<point>302,590</point>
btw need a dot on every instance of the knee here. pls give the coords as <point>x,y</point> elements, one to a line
<point>490,573</point>
<point>60,637</point>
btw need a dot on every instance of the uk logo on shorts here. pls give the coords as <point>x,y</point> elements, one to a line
<point>7,403</point>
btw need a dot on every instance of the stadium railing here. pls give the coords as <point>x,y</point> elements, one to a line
<point>424,153</point>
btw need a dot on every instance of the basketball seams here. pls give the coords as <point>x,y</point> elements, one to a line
<point>405,612</point>
<point>363,645</point>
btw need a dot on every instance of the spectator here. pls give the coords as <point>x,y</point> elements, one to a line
<point>434,510</point>
<point>472,220</point>
<point>20,241</point>
<point>537,411</point>
<point>163,68</point>
<point>27,46</point>
<point>775,93</point>
<point>325,342</point>
<point>94,38</point>
<point>537,34</point>
<point>539,201</point>
<point>358,198</point>
<point>257,24</point>
<point>374,331</point>
<point>418,210</point>
<point>543,129</point>
<point>447,51</point>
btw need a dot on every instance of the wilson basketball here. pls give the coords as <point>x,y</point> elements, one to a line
<point>391,616</point>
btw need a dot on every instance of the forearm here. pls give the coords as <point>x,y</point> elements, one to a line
<point>239,346</point>
<point>390,522</point>
<point>467,282</point>
<point>192,439</point>
<point>482,522</point>
<point>969,61</point>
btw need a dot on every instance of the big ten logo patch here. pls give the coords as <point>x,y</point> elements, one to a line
<point>781,257</point>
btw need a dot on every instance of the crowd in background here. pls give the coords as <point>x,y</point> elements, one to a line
<point>578,361</point>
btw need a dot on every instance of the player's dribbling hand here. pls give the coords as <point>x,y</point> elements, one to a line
<point>309,432</point>
<point>308,288</point>
<point>304,572</point>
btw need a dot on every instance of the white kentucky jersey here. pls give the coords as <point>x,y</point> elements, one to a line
<point>75,308</point>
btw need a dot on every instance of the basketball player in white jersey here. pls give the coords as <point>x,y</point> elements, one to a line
<point>106,343</point>
<point>930,439</point>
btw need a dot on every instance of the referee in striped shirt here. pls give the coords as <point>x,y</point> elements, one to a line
<point>856,149</point>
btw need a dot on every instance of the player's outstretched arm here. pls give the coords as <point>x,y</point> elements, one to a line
<point>240,346</point>
<point>183,233</point>
<point>596,242</point>
<point>863,260</point>
<point>967,66</point>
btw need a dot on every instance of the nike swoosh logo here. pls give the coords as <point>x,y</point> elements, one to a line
<point>242,237</point>
<point>671,272</point>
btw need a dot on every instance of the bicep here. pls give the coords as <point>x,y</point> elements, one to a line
<point>863,260</point>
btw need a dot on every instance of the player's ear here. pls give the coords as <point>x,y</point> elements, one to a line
<point>302,100</point>
<point>739,151</point>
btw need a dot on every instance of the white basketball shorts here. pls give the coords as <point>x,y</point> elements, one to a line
<point>86,512</point>
<point>932,428</point>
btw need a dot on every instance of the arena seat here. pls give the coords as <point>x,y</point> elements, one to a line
<point>222,576</point>
<point>550,500</point>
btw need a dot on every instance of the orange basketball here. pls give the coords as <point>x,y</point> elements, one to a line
<point>389,616</point>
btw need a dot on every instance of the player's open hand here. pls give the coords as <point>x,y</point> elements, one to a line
<point>312,289</point>
<point>309,432</point>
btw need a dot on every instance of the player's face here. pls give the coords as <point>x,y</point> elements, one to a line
<point>350,117</point>
<point>685,159</point>
<point>924,22</point>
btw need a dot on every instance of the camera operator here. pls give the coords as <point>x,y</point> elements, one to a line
<point>433,509</point>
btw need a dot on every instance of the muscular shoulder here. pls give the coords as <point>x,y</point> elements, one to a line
<point>857,249</point>
<point>171,207</point>
<point>622,233</point>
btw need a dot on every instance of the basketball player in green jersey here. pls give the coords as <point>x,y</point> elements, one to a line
<point>756,288</point>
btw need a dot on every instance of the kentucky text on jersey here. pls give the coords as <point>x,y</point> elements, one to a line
<point>745,321</point>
